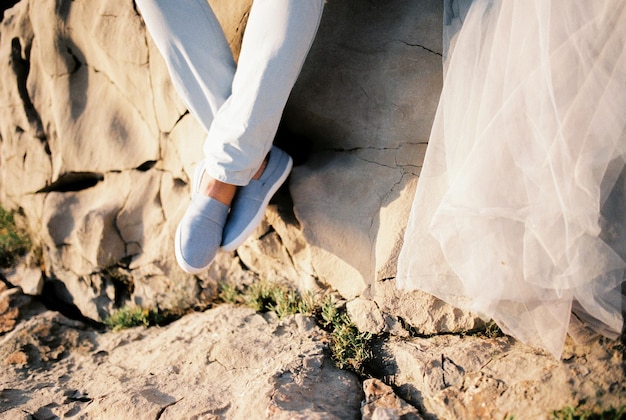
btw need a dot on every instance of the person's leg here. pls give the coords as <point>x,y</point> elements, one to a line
<point>277,39</point>
<point>202,68</point>
<point>197,55</point>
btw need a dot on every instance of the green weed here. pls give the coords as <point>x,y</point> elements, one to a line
<point>229,293</point>
<point>266,296</point>
<point>492,330</point>
<point>129,317</point>
<point>14,242</point>
<point>350,347</point>
<point>289,302</point>
<point>260,296</point>
<point>577,413</point>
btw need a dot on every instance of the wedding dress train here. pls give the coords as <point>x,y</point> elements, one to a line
<point>519,212</point>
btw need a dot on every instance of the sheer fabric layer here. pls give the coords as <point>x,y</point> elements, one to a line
<point>528,141</point>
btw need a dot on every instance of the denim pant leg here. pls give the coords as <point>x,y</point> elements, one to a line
<point>195,50</point>
<point>277,39</point>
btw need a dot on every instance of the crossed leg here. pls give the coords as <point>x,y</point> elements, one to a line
<point>240,107</point>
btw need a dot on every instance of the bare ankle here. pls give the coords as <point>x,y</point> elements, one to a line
<point>259,172</point>
<point>218,190</point>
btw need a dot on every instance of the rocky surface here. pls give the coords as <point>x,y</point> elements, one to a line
<point>456,377</point>
<point>229,362</point>
<point>96,152</point>
<point>224,363</point>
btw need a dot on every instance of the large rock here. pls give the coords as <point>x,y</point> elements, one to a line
<point>459,377</point>
<point>365,99</point>
<point>97,148</point>
<point>224,363</point>
<point>382,403</point>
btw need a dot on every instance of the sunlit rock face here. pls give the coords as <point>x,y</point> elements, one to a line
<point>97,150</point>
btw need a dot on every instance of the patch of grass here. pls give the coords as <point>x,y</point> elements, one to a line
<point>260,296</point>
<point>490,330</point>
<point>577,413</point>
<point>350,347</point>
<point>266,296</point>
<point>129,317</point>
<point>289,302</point>
<point>229,293</point>
<point>14,242</point>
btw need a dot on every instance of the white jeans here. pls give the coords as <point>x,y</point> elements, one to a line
<point>240,106</point>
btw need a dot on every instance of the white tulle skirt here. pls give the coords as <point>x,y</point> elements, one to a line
<point>520,209</point>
